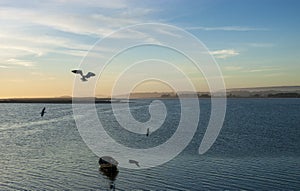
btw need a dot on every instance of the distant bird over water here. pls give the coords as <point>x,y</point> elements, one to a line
<point>134,162</point>
<point>84,77</point>
<point>43,112</point>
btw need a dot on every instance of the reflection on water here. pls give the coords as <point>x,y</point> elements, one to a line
<point>110,175</point>
<point>257,149</point>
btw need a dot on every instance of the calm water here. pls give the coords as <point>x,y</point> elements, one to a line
<point>257,149</point>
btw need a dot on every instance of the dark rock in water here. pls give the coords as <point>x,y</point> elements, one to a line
<point>108,168</point>
<point>108,163</point>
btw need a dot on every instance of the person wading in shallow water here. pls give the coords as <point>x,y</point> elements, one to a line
<point>43,112</point>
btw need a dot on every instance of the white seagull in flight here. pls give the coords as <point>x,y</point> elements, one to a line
<point>84,77</point>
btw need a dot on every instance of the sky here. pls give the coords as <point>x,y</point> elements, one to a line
<point>254,42</point>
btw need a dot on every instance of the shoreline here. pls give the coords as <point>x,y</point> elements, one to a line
<point>54,100</point>
<point>107,100</point>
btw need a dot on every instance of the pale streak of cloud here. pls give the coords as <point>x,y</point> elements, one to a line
<point>225,53</point>
<point>22,43</point>
<point>91,24</point>
<point>115,4</point>
<point>137,12</point>
<point>261,45</point>
<point>100,4</point>
<point>233,68</point>
<point>72,23</point>
<point>259,69</point>
<point>169,33</point>
<point>227,28</point>
<point>17,45</point>
<point>264,69</point>
<point>274,75</point>
<point>21,50</point>
<point>18,62</point>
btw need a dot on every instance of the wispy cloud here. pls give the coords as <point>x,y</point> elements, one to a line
<point>94,23</point>
<point>274,75</point>
<point>68,23</point>
<point>61,27</point>
<point>259,69</point>
<point>17,62</point>
<point>225,53</point>
<point>18,46</point>
<point>233,68</point>
<point>226,28</point>
<point>115,4</point>
<point>2,66</point>
<point>260,45</point>
<point>169,33</point>
<point>264,69</point>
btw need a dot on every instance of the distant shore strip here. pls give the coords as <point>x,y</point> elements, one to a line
<point>109,101</point>
<point>56,100</point>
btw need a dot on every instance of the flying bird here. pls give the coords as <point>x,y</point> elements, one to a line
<point>134,162</point>
<point>43,112</point>
<point>84,77</point>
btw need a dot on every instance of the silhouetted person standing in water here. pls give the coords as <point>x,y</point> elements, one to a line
<point>43,112</point>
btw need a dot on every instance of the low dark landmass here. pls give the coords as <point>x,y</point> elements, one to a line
<point>285,95</point>
<point>240,95</point>
<point>256,92</point>
<point>266,92</point>
<point>259,92</point>
<point>55,100</point>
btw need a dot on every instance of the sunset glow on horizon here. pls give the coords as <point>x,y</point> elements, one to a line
<point>255,43</point>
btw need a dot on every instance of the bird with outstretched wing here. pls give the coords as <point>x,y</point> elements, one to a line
<point>84,77</point>
<point>89,74</point>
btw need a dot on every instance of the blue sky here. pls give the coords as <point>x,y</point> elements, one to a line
<point>255,43</point>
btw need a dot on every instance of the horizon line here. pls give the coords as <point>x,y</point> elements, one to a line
<point>161,92</point>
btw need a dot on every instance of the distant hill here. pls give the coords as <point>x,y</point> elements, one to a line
<point>275,91</point>
<point>253,92</point>
<point>271,88</point>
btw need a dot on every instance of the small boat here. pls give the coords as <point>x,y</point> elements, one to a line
<point>108,163</point>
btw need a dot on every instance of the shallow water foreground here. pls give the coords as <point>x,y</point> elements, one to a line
<point>258,149</point>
